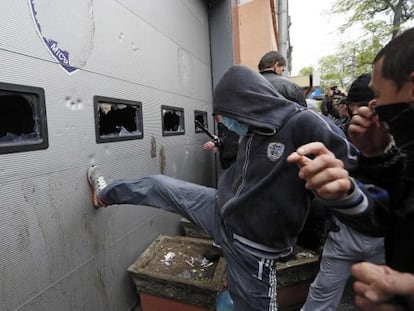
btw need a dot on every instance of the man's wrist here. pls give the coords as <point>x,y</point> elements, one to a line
<point>348,196</point>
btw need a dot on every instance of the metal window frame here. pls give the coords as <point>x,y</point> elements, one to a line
<point>116,101</point>
<point>168,133</point>
<point>36,97</point>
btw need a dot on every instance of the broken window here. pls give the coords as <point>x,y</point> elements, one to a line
<point>172,121</point>
<point>117,119</point>
<point>200,116</point>
<point>23,125</point>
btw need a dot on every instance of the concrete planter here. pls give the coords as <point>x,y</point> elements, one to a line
<point>172,273</point>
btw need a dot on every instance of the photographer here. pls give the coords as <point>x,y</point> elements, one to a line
<point>327,107</point>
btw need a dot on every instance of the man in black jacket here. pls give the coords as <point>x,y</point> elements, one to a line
<point>371,130</point>
<point>260,204</point>
<point>271,66</point>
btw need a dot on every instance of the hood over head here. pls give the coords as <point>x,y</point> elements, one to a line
<point>246,96</point>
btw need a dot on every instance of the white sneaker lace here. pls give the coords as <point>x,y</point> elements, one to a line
<point>100,183</point>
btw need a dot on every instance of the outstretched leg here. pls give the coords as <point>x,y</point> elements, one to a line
<point>195,202</point>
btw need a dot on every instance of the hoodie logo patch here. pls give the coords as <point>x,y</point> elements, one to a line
<point>275,151</point>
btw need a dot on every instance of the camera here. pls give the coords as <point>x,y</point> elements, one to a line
<point>335,90</point>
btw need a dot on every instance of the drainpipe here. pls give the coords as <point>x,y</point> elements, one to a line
<point>283,29</point>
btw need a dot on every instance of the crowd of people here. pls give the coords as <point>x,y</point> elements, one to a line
<point>289,160</point>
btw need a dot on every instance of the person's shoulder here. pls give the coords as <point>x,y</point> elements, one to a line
<point>310,119</point>
<point>286,81</point>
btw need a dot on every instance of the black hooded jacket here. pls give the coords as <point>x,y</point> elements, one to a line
<point>290,90</point>
<point>261,199</point>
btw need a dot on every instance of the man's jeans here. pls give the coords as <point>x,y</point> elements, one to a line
<point>251,280</point>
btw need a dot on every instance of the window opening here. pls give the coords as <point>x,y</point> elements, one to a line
<point>172,121</point>
<point>23,125</point>
<point>201,116</point>
<point>117,119</point>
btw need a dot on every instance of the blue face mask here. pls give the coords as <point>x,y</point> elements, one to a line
<point>235,126</point>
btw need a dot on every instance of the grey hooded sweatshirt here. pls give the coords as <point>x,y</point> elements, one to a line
<point>262,201</point>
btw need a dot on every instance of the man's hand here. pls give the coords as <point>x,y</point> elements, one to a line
<point>324,173</point>
<point>376,287</point>
<point>210,145</point>
<point>367,133</point>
